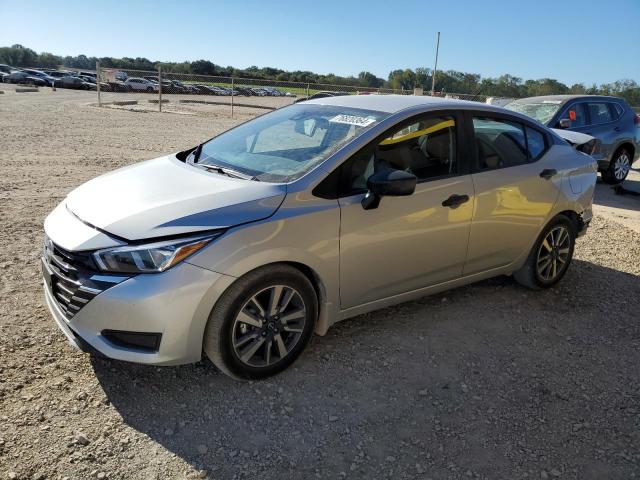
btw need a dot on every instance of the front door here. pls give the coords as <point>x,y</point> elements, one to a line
<point>410,242</point>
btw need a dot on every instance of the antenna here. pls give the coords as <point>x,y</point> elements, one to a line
<point>435,68</point>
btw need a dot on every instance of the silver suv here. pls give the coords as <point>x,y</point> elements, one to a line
<point>608,119</point>
<point>247,244</point>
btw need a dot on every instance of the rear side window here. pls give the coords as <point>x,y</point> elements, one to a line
<point>576,114</point>
<point>617,110</point>
<point>599,113</point>
<point>499,143</point>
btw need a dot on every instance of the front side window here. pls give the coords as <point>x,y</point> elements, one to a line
<point>499,143</point>
<point>599,113</point>
<point>283,145</point>
<point>426,148</point>
<point>576,114</point>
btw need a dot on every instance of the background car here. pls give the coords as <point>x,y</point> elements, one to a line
<point>118,86</point>
<point>220,90</point>
<point>246,91</point>
<point>609,119</point>
<point>75,83</point>
<point>21,77</point>
<point>58,73</point>
<point>203,89</point>
<point>37,73</point>
<point>259,92</point>
<point>141,85</point>
<point>104,86</point>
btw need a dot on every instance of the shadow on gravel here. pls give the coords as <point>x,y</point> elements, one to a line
<point>630,199</point>
<point>446,384</point>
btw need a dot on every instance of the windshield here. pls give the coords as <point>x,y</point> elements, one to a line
<point>543,111</point>
<point>283,145</point>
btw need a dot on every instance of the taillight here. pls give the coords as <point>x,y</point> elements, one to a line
<point>636,120</point>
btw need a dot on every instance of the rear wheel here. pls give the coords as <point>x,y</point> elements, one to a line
<point>262,323</point>
<point>618,167</point>
<point>550,257</point>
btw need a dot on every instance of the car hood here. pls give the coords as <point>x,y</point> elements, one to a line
<point>165,196</point>
<point>574,138</point>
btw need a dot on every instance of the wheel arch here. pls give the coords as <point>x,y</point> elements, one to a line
<point>325,305</point>
<point>322,324</point>
<point>625,144</point>
<point>572,215</point>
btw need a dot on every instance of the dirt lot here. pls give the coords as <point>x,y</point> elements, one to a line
<point>488,381</point>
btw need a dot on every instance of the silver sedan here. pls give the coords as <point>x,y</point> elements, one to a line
<point>244,246</point>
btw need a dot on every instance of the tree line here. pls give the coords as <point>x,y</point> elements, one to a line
<point>449,81</point>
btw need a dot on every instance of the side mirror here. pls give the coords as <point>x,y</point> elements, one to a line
<point>306,127</point>
<point>564,123</point>
<point>388,182</point>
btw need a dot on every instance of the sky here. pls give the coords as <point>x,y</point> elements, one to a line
<point>586,41</point>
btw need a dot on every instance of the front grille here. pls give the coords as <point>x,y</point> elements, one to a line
<point>73,278</point>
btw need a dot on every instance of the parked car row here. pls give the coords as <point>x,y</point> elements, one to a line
<point>150,84</point>
<point>123,83</point>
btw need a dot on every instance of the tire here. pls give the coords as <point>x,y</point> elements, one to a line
<point>533,273</point>
<point>258,350</point>
<point>618,167</point>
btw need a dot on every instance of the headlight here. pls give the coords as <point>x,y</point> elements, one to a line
<point>149,258</point>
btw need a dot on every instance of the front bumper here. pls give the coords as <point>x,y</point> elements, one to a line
<point>175,303</point>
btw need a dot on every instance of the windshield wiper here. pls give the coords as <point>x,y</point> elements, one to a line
<point>194,156</point>
<point>229,172</point>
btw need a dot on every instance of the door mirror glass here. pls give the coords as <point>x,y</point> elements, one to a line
<point>306,127</point>
<point>388,182</point>
<point>564,123</point>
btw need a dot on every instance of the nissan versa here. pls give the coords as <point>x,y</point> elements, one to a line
<point>245,245</point>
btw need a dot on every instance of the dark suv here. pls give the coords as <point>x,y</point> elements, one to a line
<point>609,119</point>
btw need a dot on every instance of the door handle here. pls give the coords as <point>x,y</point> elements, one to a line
<point>617,129</point>
<point>455,201</point>
<point>547,173</point>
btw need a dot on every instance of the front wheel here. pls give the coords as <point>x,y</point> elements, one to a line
<point>262,323</point>
<point>618,168</point>
<point>550,257</point>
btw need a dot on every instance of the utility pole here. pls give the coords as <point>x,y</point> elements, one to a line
<point>435,68</point>
<point>98,82</point>
<point>160,88</point>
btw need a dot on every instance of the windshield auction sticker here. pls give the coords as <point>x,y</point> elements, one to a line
<point>352,120</point>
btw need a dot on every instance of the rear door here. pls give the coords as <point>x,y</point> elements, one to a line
<point>516,186</point>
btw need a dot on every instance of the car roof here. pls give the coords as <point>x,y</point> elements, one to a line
<point>564,98</point>
<point>396,103</point>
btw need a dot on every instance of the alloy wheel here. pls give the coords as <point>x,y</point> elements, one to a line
<point>553,254</point>
<point>621,166</point>
<point>268,326</point>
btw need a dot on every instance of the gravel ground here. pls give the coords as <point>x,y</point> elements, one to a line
<point>487,381</point>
